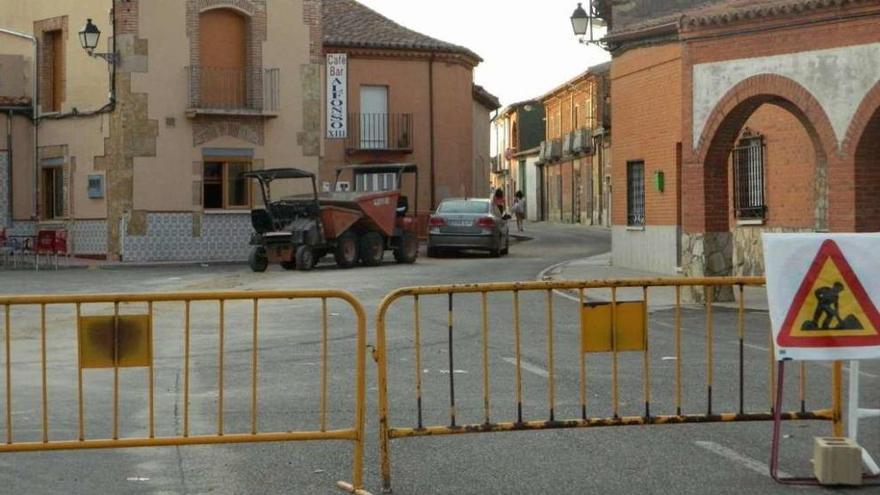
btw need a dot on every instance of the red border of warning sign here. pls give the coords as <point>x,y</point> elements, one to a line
<point>830,250</point>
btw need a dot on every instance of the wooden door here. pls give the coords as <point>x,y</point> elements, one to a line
<point>223,53</point>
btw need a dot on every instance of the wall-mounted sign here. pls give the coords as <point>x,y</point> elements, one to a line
<point>337,95</point>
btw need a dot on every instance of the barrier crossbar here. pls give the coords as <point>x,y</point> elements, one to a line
<point>620,343</point>
<point>100,332</point>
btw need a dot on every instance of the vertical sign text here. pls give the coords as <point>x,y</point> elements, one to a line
<point>337,95</point>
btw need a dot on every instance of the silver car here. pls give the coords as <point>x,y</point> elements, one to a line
<point>468,223</point>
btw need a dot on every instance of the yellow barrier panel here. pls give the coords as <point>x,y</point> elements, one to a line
<point>127,338</point>
<point>611,327</point>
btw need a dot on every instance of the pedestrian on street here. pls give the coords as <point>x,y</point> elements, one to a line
<point>498,200</point>
<point>519,209</point>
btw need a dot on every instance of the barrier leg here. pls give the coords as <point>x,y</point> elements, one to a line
<point>855,413</point>
<point>777,433</point>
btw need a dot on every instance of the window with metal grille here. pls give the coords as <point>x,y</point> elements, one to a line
<point>635,193</point>
<point>749,200</point>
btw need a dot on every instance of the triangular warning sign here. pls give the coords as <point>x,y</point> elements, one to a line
<point>831,308</point>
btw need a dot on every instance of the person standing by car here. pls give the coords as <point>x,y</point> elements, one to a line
<point>498,200</point>
<point>519,210</point>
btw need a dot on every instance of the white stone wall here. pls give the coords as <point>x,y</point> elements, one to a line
<point>839,79</point>
<point>531,192</point>
<point>653,249</point>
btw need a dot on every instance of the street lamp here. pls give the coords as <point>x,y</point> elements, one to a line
<point>88,39</point>
<point>583,22</point>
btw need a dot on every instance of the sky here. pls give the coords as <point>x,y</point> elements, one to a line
<point>527,46</point>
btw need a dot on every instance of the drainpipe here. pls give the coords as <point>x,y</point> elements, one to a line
<point>35,99</point>
<point>9,165</point>
<point>431,116</point>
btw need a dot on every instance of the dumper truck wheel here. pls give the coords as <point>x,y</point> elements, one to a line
<point>305,258</point>
<point>258,260</point>
<point>407,249</point>
<point>372,249</point>
<point>346,252</point>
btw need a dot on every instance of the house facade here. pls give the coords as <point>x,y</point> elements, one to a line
<point>410,98</point>
<point>737,118</point>
<point>575,152</point>
<point>201,91</point>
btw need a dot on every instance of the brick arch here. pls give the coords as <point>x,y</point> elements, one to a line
<point>869,106</point>
<point>244,6</point>
<point>862,148</point>
<point>744,98</point>
<point>708,190</point>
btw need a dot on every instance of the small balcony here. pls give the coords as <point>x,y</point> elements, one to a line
<point>233,92</point>
<point>380,132</point>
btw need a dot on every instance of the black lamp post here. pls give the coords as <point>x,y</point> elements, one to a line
<point>88,39</point>
<point>584,21</point>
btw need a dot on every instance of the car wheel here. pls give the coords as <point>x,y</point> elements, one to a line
<point>258,260</point>
<point>407,249</point>
<point>346,252</point>
<point>305,258</point>
<point>372,248</point>
<point>506,249</point>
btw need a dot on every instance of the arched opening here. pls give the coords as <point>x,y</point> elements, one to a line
<point>764,171</point>
<point>223,58</point>
<point>867,177</point>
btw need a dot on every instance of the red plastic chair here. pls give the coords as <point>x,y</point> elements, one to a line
<point>50,243</point>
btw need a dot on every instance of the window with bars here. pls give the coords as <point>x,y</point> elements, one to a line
<point>749,199</point>
<point>635,193</point>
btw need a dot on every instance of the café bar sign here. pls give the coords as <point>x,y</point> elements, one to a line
<point>337,95</point>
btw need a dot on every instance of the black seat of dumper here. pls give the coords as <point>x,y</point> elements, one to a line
<point>402,205</point>
<point>261,221</point>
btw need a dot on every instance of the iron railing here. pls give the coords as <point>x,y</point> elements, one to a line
<point>212,88</point>
<point>380,132</point>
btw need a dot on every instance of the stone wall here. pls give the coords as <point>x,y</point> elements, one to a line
<point>4,190</point>
<point>748,249</point>
<point>707,254</point>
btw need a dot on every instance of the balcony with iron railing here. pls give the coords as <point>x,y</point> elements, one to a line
<point>237,92</point>
<point>380,132</point>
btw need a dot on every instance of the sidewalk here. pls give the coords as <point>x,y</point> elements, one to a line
<point>660,298</point>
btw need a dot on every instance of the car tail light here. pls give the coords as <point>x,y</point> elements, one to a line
<point>436,222</point>
<point>485,222</point>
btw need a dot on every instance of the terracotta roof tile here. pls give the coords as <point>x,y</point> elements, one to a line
<point>351,24</point>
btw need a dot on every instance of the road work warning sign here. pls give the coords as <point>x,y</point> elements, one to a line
<point>823,292</point>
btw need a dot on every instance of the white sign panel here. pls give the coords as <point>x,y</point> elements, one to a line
<point>824,291</point>
<point>337,95</point>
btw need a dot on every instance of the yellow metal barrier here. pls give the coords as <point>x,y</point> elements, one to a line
<point>123,340</point>
<point>614,327</point>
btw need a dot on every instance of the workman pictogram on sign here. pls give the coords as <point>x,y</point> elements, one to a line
<point>818,301</point>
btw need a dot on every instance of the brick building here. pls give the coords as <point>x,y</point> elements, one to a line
<point>519,130</point>
<point>411,98</point>
<point>202,90</point>
<point>741,117</point>
<point>575,155</point>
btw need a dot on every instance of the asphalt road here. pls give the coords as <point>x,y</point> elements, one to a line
<point>701,458</point>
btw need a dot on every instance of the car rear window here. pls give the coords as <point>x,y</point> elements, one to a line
<point>464,206</point>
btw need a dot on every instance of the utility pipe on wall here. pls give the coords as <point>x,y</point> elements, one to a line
<point>35,118</point>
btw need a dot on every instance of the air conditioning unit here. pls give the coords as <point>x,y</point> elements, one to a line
<point>583,141</point>
<point>542,153</point>
<point>567,141</point>
<point>555,149</point>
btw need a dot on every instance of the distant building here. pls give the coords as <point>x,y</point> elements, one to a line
<point>734,118</point>
<point>575,153</point>
<point>518,128</point>
<point>202,91</point>
<point>410,98</point>
<point>485,104</point>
